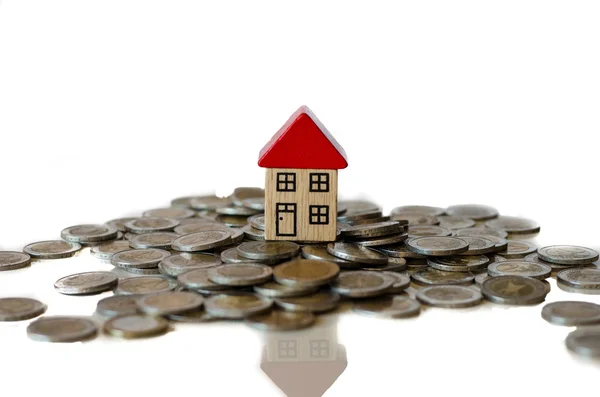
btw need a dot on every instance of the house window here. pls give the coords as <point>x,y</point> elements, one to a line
<point>319,214</point>
<point>319,348</point>
<point>319,182</point>
<point>287,349</point>
<point>286,181</point>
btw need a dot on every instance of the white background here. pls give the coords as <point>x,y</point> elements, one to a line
<point>108,108</point>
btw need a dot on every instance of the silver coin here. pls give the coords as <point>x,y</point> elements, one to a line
<point>145,285</point>
<point>399,251</point>
<point>169,212</point>
<point>427,231</point>
<point>455,222</point>
<point>182,201</point>
<point>460,263</point>
<point>61,329</point>
<point>518,249</point>
<point>194,316</point>
<point>53,249</point>
<point>268,250</point>
<point>139,258</point>
<point>119,223</point>
<point>232,220</point>
<point>118,305</point>
<point>514,290</point>
<point>178,264</point>
<point>319,302</point>
<point>86,283</point>
<point>18,309</point>
<point>133,270</point>
<point>388,306</point>
<point>571,313</point>
<point>372,230</point>
<point>253,234</point>
<point>584,342</point>
<point>170,302</point>
<point>417,219</point>
<point>319,252</point>
<point>513,225</point>
<point>257,221</point>
<point>449,296</point>
<point>478,245</point>
<point>278,320</point>
<point>394,265</point>
<point>150,225</point>
<point>209,203</point>
<point>236,211</point>
<point>231,255</point>
<point>357,253</point>
<point>190,228</point>
<point>500,244</point>
<point>520,268</point>
<point>367,221</point>
<point>568,255</point>
<point>555,267</point>
<point>582,278</point>
<point>431,276</point>
<point>12,260</point>
<point>477,212</point>
<point>358,209</point>
<point>88,233</point>
<point>401,282</point>
<point>202,241</point>
<point>437,245</point>
<point>242,193</point>
<point>153,240</point>
<point>362,284</point>
<point>481,231</point>
<point>255,203</point>
<point>198,279</point>
<point>480,278</point>
<point>107,250</point>
<point>272,289</point>
<point>240,274</point>
<point>379,241</point>
<point>418,209</point>
<point>306,272</point>
<point>237,306</point>
<point>132,326</point>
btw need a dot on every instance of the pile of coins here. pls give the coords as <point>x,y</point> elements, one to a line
<point>205,258</point>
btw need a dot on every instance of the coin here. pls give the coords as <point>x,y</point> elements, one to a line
<point>357,253</point>
<point>269,250</point>
<point>170,302</point>
<point>193,316</point>
<point>241,193</point>
<point>107,250</point>
<point>272,289</point>
<point>367,221</point>
<point>571,313</point>
<point>418,209</point>
<point>437,277</point>
<point>371,230</point>
<point>237,306</point>
<point>253,234</point>
<point>399,251</point>
<point>199,279</point>
<point>379,241</point>
<point>455,222</point>
<point>584,342</point>
<point>358,209</point>
<point>86,283</point>
<point>449,296</point>
<point>149,225</point>
<point>319,252</point>
<point>190,228</point>
<point>153,240</point>
<point>17,309</point>
<point>202,241</point>
<point>231,255</point>
<point>61,329</point>
<point>319,302</point>
<point>278,320</point>
<point>12,260</point>
<point>478,245</point>
<point>232,220</point>
<point>481,231</point>
<point>305,272</point>
<point>136,326</point>
<point>514,290</point>
<point>480,278</point>
<point>520,268</point>
<point>210,202</point>
<point>568,255</point>
<point>500,244</point>
<point>145,285</point>
<point>362,284</point>
<point>119,223</point>
<point>417,219</point>
<point>518,249</point>
<point>513,225</point>
<point>583,278</point>
<point>139,258</point>
<point>169,212</point>
<point>388,306</point>
<point>118,305</point>
<point>394,265</point>
<point>88,233</point>
<point>555,267</point>
<point>175,265</point>
<point>255,203</point>
<point>424,231</point>
<point>401,282</point>
<point>257,221</point>
<point>240,274</point>
<point>437,245</point>
<point>53,249</point>
<point>236,211</point>
<point>461,263</point>
<point>133,270</point>
<point>182,201</point>
<point>477,212</point>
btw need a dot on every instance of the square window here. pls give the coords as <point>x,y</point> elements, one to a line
<point>286,181</point>
<point>287,349</point>
<point>319,182</point>
<point>319,349</point>
<point>319,214</point>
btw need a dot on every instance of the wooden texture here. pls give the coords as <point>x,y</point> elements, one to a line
<point>288,213</point>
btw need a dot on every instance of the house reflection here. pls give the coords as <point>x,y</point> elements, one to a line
<point>305,362</point>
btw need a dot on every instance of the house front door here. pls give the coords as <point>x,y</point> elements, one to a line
<point>286,219</point>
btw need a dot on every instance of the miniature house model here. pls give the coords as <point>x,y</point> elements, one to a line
<point>302,160</point>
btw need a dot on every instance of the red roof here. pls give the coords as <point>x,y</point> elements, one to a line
<point>303,142</point>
